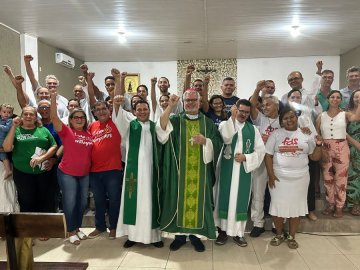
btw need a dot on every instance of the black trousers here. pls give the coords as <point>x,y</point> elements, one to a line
<point>314,171</point>
<point>36,192</point>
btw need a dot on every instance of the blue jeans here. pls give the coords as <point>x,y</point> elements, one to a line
<point>110,183</point>
<point>74,198</point>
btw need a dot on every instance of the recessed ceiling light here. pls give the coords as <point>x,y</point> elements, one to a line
<point>295,30</point>
<point>122,37</point>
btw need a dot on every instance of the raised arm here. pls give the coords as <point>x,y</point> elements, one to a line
<point>117,75</point>
<point>153,94</point>
<point>89,79</point>
<point>53,113</point>
<point>189,70</point>
<point>29,71</point>
<point>98,94</point>
<point>164,118</point>
<point>205,94</point>
<point>254,99</point>
<point>22,97</point>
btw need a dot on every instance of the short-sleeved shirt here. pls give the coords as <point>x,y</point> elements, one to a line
<point>78,145</point>
<point>106,154</point>
<point>290,150</point>
<point>266,125</point>
<point>29,143</point>
<point>53,132</point>
<point>229,102</point>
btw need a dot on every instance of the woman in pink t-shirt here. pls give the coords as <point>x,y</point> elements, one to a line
<point>73,171</point>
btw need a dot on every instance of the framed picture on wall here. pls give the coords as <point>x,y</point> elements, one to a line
<point>132,81</point>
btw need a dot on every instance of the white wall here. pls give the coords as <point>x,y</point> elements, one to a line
<point>147,71</point>
<point>250,71</point>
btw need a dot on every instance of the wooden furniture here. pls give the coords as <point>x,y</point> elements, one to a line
<point>29,225</point>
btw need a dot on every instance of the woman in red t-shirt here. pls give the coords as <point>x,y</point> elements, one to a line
<point>73,170</point>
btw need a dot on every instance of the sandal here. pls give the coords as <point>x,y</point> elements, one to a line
<point>74,239</point>
<point>292,242</point>
<point>328,210</point>
<point>338,213</point>
<point>355,211</point>
<point>277,240</point>
<point>81,235</point>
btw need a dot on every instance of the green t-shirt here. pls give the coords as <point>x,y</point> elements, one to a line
<point>29,142</point>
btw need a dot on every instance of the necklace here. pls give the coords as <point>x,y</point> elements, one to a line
<point>270,123</point>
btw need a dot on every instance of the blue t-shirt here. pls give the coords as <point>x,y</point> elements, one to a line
<point>51,128</point>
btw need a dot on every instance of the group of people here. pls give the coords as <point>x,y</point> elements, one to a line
<point>186,165</point>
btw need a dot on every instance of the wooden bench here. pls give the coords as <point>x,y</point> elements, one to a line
<point>29,225</point>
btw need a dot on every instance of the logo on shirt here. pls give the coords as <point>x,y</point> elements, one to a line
<point>289,147</point>
<point>102,134</point>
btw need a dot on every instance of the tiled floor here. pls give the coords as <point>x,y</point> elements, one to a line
<point>314,252</point>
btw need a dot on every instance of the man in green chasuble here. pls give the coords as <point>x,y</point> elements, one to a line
<point>191,146</point>
<point>242,153</point>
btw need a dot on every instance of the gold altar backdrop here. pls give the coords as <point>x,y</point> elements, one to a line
<point>218,69</point>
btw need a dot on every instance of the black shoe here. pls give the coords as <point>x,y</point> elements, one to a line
<point>198,245</point>
<point>256,231</point>
<point>221,239</point>
<point>176,244</point>
<point>159,244</point>
<point>129,244</point>
<point>241,241</point>
<point>274,231</point>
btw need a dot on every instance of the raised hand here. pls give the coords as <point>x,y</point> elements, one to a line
<point>115,72</point>
<point>84,68</point>
<point>90,75</point>
<point>17,121</point>
<point>260,85</point>
<point>190,69</point>
<point>19,79</point>
<point>319,65</point>
<point>153,81</point>
<point>207,79</point>
<point>28,58</point>
<point>123,74</point>
<point>233,111</point>
<point>7,69</point>
<point>173,101</point>
<point>119,100</point>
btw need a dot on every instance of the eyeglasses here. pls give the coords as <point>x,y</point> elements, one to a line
<point>101,109</point>
<point>43,108</point>
<point>244,112</point>
<point>79,117</point>
<point>191,100</point>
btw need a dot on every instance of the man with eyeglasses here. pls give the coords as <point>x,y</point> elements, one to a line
<point>192,144</point>
<point>243,152</point>
<point>106,167</point>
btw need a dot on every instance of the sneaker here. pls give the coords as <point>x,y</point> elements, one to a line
<point>221,239</point>
<point>241,241</point>
<point>129,244</point>
<point>256,231</point>
<point>112,234</point>
<point>94,234</point>
<point>292,242</point>
<point>277,240</point>
<point>176,244</point>
<point>159,244</point>
<point>198,245</point>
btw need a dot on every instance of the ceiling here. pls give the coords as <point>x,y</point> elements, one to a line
<point>163,30</point>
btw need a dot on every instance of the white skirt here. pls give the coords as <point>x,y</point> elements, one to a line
<point>289,197</point>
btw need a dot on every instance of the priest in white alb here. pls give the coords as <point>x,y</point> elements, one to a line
<point>242,153</point>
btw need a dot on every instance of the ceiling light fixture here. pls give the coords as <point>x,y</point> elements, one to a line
<point>295,31</point>
<point>122,37</point>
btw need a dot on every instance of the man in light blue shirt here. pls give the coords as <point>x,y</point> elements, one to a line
<point>353,78</point>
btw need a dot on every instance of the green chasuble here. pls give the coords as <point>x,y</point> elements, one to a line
<point>226,168</point>
<point>187,204</point>
<point>130,181</point>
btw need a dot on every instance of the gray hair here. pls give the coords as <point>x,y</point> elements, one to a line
<point>51,77</point>
<point>273,98</point>
<point>352,69</point>
<point>191,91</point>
